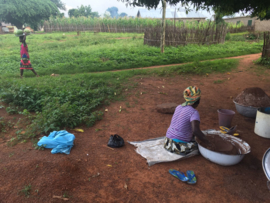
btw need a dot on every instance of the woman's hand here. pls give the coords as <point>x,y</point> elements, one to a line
<point>197,131</point>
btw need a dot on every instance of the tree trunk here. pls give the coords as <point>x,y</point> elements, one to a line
<point>162,43</point>
<point>266,46</point>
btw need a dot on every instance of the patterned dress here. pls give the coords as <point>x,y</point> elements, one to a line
<point>179,135</point>
<point>25,59</point>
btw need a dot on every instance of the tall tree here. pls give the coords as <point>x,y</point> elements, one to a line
<point>59,4</point>
<point>255,7</point>
<point>107,14</point>
<point>32,12</point>
<point>72,12</point>
<point>113,11</point>
<point>219,15</point>
<point>82,11</point>
<point>95,15</point>
<point>266,17</point>
<point>123,15</point>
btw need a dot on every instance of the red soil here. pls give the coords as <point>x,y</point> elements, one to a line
<point>76,173</point>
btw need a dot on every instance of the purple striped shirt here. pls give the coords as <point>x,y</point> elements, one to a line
<point>180,127</point>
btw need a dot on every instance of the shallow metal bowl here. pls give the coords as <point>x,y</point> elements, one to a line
<point>247,111</point>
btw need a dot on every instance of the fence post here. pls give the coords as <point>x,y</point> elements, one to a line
<point>162,44</point>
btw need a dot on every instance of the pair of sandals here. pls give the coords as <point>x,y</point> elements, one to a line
<point>190,179</point>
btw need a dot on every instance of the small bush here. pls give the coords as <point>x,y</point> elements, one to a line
<point>264,61</point>
<point>251,37</point>
<point>26,190</point>
<point>12,110</point>
<point>228,36</point>
<point>238,38</point>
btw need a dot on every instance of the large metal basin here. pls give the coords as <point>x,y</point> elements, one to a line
<point>247,111</point>
<point>224,159</point>
<point>266,166</point>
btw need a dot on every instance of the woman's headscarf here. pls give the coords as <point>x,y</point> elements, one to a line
<point>191,95</point>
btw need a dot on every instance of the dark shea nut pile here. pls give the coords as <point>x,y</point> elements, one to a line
<point>254,97</point>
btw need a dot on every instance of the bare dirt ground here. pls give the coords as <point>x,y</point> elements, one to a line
<point>75,175</point>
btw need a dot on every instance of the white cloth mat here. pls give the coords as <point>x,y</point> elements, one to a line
<point>153,151</point>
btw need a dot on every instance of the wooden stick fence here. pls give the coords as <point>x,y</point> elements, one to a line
<point>242,29</point>
<point>95,28</point>
<point>115,28</point>
<point>182,36</point>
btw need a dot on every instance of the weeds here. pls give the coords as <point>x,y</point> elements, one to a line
<point>36,147</point>
<point>97,129</point>
<point>4,125</point>
<point>26,190</point>
<point>11,154</point>
<point>12,110</point>
<point>218,81</point>
<point>127,105</point>
<point>66,195</point>
<point>264,61</point>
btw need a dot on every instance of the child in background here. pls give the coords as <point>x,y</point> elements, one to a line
<point>25,60</point>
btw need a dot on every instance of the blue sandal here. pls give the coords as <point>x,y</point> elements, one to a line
<point>179,175</point>
<point>191,178</point>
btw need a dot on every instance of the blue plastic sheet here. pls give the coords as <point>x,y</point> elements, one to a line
<point>58,141</point>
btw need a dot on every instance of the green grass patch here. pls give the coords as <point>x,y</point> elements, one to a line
<point>239,33</point>
<point>73,100</point>
<point>264,62</point>
<point>63,53</point>
<point>245,36</point>
<point>218,81</point>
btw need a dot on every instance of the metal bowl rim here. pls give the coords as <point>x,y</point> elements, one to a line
<point>225,154</point>
<point>247,106</point>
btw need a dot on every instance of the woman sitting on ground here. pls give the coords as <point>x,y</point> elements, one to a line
<point>185,125</point>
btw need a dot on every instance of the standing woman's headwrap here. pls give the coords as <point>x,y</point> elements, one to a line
<point>191,95</point>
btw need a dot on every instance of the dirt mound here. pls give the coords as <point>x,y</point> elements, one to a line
<point>254,97</point>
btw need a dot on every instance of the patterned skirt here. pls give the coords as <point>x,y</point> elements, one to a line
<point>178,147</point>
<point>26,64</point>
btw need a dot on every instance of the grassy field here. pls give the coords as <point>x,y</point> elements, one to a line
<point>70,54</point>
<point>78,96</point>
<point>72,100</point>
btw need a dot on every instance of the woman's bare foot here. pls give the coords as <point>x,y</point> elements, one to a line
<point>37,75</point>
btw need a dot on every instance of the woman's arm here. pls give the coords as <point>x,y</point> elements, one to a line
<point>24,39</point>
<point>197,131</point>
